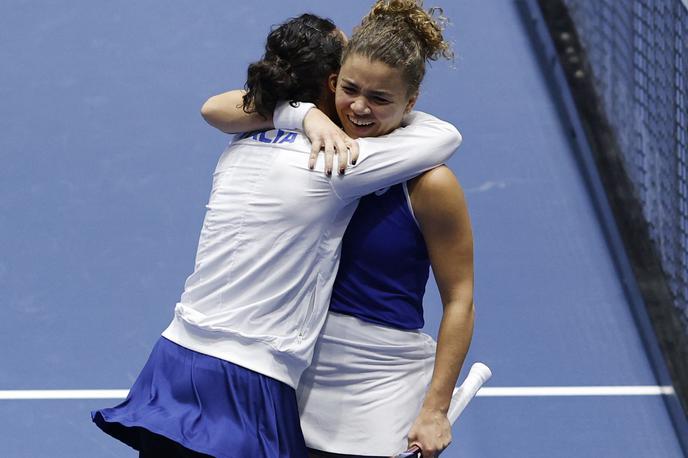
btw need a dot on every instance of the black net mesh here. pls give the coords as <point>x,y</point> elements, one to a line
<point>638,53</point>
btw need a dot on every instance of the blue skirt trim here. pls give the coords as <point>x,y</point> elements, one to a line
<point>207,405</point>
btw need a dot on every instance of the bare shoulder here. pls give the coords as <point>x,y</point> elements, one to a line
<point>435,189</point>
<point>439,173</point>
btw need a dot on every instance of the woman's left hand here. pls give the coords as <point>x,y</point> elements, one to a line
<point>431,432</point>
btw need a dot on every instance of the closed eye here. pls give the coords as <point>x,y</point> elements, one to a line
<point>349,90</point>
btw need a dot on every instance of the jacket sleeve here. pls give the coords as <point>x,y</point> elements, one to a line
<point>424,143</point>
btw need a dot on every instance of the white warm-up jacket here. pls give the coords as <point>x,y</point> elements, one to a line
<point>269,247</point>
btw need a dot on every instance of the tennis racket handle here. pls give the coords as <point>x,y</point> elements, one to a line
<point>413,452</point>
<point>477,376</point>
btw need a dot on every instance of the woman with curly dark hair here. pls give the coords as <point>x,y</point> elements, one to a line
<point>221,379</point>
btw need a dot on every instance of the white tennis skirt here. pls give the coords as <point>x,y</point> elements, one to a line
<point>365,387</point>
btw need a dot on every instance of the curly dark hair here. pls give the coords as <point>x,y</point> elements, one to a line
<point>299,56</point>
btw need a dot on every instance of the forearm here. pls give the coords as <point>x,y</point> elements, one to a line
<point>404,153</point>
<point>424,143</point>
<point>456,332</point>
<point>440,208</point>
<point>225,112</point>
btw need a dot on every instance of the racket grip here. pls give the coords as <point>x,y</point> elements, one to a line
<point>476,377</point>
<point>413,452</point>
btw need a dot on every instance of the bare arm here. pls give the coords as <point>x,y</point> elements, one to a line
<point>441,211</point>
<point>224,112</point>
<point>424,143</point>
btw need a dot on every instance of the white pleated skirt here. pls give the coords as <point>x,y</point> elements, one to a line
<point>365,387</point>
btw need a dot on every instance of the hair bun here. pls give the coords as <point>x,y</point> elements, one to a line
<point>427,24</point>
<point>299,56</point>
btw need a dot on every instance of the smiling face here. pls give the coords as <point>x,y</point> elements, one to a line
<point>371,97</point>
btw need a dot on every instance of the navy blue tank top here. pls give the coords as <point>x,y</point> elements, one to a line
<point>384,264</point>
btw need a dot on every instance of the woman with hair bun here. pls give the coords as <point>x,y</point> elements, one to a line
<point>221,379</point>
<point>377,384</point>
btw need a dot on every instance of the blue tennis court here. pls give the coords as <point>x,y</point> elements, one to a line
<point>107,166</point>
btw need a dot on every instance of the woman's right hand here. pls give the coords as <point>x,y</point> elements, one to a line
<point>324,134</point>
<point>431,432</point>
